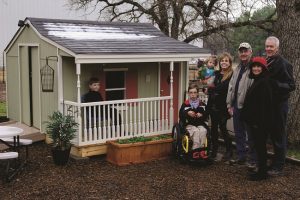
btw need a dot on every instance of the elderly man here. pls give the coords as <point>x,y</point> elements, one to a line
<point>237,89</point>
<point>281,75</point>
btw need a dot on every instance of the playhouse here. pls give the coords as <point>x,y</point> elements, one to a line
<point>143,74</point>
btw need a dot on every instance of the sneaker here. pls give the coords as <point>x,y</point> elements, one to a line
<point>238,161</point>
<point>203,154</point>
<point>257,176</point>
<point>275,172</point>
<point>251,167</point>
<point>196,155</point>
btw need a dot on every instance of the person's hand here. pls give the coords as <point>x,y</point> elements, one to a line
<point>230,111</point>
<point>198,115</point>
<point>192,113</point>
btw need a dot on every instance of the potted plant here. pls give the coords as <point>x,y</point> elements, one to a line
<point>61,129</point>
<point>139,149</point>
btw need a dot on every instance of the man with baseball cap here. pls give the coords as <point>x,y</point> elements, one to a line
<point>238,86</point>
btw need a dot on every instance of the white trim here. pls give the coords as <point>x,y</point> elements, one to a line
<point>20,95</point>
<point>60,88</point>
<point>39,78</point>
<point>135,58</point>
<point>187,79</point>
<point>5,75</point>
<point>180,82</point>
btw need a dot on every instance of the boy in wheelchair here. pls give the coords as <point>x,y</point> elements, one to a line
<point>194,118</point>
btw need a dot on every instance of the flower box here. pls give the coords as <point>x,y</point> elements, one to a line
<point>140,152</point>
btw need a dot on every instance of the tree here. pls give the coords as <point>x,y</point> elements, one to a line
<point>288,31</point>
<point>186,20</point>
<point>255,35</point>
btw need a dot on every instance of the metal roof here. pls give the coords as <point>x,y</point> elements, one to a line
<point>103,38</point>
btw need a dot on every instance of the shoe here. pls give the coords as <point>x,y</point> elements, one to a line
<point>203,154</point>
<point>258,176</point>
<point>275,172</point>
<point>238,161</point>
<point>196,155</point>
<point>251,167</point>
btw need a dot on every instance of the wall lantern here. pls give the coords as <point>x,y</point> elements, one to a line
<point>47,76</point>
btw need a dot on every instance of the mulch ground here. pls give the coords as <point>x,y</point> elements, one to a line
<point>165,179</point>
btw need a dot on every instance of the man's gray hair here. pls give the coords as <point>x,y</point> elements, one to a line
<point>275,40</point>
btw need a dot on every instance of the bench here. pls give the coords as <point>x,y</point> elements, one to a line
<point>23,142</point>
<point>7,156</point>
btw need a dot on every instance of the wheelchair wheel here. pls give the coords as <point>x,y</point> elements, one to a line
<point>176,140</point>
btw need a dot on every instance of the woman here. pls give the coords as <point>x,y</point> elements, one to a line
<point>217,107</point>
<point>257,113</point>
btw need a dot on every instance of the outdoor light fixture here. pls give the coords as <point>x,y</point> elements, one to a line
<point>47,76</point>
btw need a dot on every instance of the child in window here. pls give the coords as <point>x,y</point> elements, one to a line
<point>193,116</point>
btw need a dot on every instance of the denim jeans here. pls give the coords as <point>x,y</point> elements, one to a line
<point>243,137</point>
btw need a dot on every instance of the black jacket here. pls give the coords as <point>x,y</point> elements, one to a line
<point>281,75</point>
<point>186,119</point>
<point>217,95</point>
<point>258,105</point>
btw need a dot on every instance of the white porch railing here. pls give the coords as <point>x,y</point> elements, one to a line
<point>110,120</point>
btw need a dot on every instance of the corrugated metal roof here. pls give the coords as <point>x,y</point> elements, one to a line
<point>92,37</point>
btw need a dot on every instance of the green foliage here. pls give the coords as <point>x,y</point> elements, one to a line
<point>254,35</point>
<point>294,153</point>
<point>142,139</point>
<point>3,108</point>
<point>61,129</point>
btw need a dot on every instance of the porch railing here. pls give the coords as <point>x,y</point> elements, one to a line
<point>110,120</point>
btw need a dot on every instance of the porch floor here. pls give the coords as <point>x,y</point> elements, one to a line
<point>29,132</point>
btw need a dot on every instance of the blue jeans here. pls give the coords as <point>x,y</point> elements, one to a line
<point>243,138</point>
<point>278,135</point>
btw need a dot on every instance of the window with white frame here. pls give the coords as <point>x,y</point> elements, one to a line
<point>115,84</point>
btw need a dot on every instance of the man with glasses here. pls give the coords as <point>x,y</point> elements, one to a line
<point>281,75</point>
<point>238,86</point>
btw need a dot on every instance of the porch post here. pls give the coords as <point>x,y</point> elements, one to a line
<point>171,94</point>
<point>78,66</point>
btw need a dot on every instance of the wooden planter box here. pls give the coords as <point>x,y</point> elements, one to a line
<point>125,154</point>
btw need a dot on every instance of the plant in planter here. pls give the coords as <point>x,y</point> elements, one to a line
<point>61,129</point>
<point>139,149</point>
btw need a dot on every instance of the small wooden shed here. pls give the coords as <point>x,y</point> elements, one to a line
<point>143,74</point>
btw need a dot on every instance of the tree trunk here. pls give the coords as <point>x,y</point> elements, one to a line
<point>288,31</point>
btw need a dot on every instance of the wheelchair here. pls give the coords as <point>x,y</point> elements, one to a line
<point>182,146</point>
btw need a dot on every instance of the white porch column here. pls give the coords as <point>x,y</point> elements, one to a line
<point>78,71</point>
<point>171,94</point>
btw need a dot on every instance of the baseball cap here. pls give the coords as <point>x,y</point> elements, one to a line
<point>245,45</point>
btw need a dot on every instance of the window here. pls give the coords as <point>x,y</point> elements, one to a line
<point>115,85</point>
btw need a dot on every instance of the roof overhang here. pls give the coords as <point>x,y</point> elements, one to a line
<point>131,58</point>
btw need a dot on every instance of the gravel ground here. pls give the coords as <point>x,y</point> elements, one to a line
<point>166,179</point>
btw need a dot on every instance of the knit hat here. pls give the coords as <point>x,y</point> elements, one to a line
<point>261,61</point>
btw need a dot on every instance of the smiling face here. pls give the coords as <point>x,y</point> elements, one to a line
<point>245,54</point>
<point>270,47</point>
<point>256,69</point>
<point>225,63</point>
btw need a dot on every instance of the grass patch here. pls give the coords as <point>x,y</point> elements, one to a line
<point>294,153</point>
<point>3,108</point>
<point>142,139</point>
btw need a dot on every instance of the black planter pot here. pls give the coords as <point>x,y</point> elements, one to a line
<point>61,157</point>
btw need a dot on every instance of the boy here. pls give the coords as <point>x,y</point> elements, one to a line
<point>192,114</point>
<point>93,95</point>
